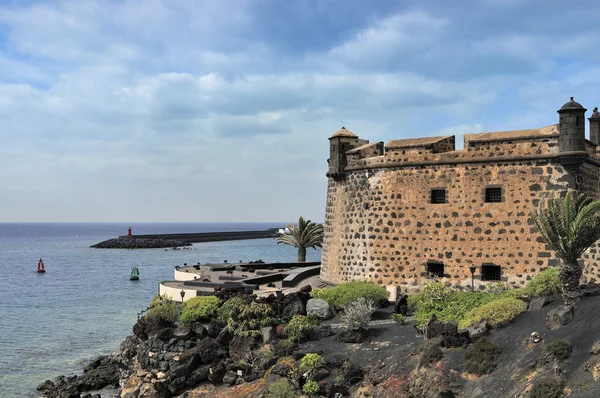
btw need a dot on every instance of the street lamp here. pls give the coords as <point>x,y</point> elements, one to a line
<point>473,269</point>
<point>182,293</point>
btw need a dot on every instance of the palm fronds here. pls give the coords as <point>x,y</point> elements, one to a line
<point>303,235</point>
<point>569,224</point>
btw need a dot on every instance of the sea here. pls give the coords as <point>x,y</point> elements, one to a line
<point>84,305</point>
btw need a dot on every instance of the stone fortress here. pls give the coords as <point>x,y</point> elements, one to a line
<point>400,211</point>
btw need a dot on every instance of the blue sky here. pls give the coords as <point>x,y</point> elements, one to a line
<point>207,111</point>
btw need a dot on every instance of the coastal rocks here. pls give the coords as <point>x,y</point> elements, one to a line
<point>240,348</point>
<point>353,336</point>
<point>135,243</point>
<point>319,308</point>
<point>537,303</point>
<point>476,331</point>
<point>100,373</point>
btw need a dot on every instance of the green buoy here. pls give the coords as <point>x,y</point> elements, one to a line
<point>135,274</point>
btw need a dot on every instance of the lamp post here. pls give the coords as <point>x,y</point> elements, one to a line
<point>473,269</point>
<point>182,293</point>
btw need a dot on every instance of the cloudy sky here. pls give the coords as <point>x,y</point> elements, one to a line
<point>198,111</point>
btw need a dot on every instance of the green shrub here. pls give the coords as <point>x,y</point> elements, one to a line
<point>546,283</point>
<point>398,318</point>
<point>201,308</point>
<point>282,388</point>
<point>431,352</point>
<point>482,357</point>
<point>546,387</point>
<point>341,295</point>
<point>311,388</point>
<point>496,313</point>
<point>299,327</point>
<point>247,319</point>
<point>157,300</point>
<point>311,362</point>
<point>285,347</point>
<point>559,349</point>
<point>229,307</point>
<point>166,311</point>
<point>447,305</point>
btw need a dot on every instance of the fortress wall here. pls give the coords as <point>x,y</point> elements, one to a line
<point>589,183</point>
<point>380,225</point>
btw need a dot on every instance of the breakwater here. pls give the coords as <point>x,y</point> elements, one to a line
<point>180,239</point>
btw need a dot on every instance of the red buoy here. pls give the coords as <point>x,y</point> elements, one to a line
<point>41,268</point>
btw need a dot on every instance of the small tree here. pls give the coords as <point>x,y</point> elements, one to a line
<point>570,225</point>
<point>303,235</point>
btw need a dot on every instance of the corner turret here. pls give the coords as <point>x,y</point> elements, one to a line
<point>339,143</point>
<point>595,126</point>
<point>571,127</point>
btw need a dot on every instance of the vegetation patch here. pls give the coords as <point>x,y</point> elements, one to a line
<point>546,283</point>
<point>558,349</point>
<point>201,308</point>
<point>248,319</point>
<point>482,357</point>
<point>398,318</point>
<point>546,387</point>
<point>497,313</point>
<point>311,388</point>
<point>300,327</point>
<point>233,305</point>
<point>431,352</point>
<point>358,313</point>
<point>282,388</point>
<point>341,295</point>
<point>311,362</point>
<point>163,309</point>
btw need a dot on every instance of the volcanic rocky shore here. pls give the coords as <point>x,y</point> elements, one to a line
<point>137,243</point>
<point>162,360</point>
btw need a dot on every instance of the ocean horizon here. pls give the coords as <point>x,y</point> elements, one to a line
<point>85,304</point>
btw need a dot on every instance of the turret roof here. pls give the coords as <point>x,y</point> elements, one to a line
<point>344,133</point>
<point>572,104</point>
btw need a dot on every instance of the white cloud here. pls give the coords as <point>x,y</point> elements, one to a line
<point>197,104</point>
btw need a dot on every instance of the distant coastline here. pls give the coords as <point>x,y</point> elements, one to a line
<point>151,241</point>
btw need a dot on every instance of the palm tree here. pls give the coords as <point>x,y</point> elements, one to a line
<point>570,225</point>
<point>303,235</point>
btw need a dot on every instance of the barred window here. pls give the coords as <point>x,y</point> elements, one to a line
<point>435,268</point>
<point>493,195</point>
<point>490,272</point>
<point>438,196</point>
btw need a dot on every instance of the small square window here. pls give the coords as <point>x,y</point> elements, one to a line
<point>438,196</point>
<point>493,195</point>
<point>435,268</point>
<point>490,272</point>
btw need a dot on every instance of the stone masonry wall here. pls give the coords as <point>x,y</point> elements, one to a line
<point>380,225</point>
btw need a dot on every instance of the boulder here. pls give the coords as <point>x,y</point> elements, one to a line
<point>447,332</point>
<point>208,350</point>
<point>537,303</point>
<point>320,331</point>
<point>306,289</point>
<point>319,374</point>
<point>199,330</point>
<point>230,377</point>
<point>401,305</point>
<point>240,348</point>
<point>224,336</point>
<point>319,308</point>
<point>129,346</point>
<point>267,334</point>
<point>183,332</point>
<point>559,316</point>
<point>198,376</point>
<point>476,331</point>
<point>353,336</point>
<point>187,364</point>
<point>293,305</point>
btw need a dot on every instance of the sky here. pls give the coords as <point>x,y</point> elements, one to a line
<point>219,111</point>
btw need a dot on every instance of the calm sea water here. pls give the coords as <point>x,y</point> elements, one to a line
<point>85,305</point>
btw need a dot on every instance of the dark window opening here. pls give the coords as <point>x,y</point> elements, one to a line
<point>438,196</point>
<point>493,195</point>
<point>436,269</point>
<point>490,272</point>
<point>577,121</point>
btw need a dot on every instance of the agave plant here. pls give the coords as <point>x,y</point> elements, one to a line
<point>303,235</point>
<point>570,225</point>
